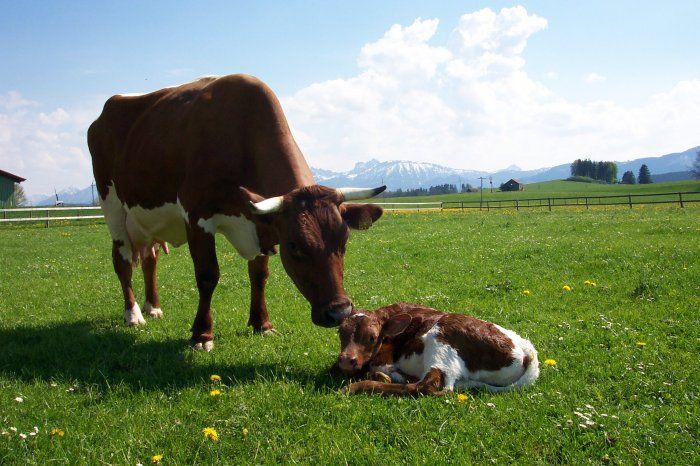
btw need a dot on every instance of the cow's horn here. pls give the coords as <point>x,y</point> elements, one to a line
<point>268,206</point>
<point>353,194</point>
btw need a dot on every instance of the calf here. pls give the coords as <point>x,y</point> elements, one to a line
<point>418,350</point>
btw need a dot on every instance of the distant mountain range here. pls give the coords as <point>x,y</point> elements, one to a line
<point>406,175</point>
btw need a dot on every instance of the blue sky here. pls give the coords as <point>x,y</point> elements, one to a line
<point>576,65</point>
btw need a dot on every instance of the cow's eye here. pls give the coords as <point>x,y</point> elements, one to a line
<point>371,339</point>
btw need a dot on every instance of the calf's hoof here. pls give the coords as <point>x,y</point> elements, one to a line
<point>154,312</point>
<point>133,316</point>
<point>379,377</point>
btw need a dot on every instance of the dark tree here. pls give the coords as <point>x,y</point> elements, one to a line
<point>644,176</point>
<point>628,178</point>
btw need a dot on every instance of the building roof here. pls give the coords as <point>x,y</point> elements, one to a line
<point>15,178</point>
<point>513,179</point>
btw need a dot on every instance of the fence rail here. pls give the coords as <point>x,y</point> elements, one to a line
<point>48,214</point>
<point>629,200</point>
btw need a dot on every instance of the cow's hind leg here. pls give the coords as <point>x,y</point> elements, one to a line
<point>258,273</point>
<point>206,269</point>
<point>123,268</point>
<point>432,384</point>
<point>148,265</point>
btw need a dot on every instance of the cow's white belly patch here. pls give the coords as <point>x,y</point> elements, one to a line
<point>239,231</point>
<point>163,223</point>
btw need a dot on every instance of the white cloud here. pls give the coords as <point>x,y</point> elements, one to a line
<point>551,75</point>
<point>593,78</point>
<point>469,103</point>
<point>47,148</point>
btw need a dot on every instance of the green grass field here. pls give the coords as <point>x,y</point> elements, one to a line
<point>559,188</point>
<point>122,395</point>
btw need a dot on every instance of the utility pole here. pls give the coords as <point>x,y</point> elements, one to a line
<point>481,191</point>
<point>92,189</point>
<point>491,182</point>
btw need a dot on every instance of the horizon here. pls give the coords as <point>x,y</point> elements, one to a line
<point>531,85</point>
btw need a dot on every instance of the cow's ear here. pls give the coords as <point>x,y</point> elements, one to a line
<point>396,325</point>
<point>360,216</point>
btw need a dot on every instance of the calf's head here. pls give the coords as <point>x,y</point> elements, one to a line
<point>311,225</point>
<point>362,335</point>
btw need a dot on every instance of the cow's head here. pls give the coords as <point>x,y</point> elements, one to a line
<point>312,226</point>
<point>362,335</point>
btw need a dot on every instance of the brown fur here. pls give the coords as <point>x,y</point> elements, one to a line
<point>480,344</point>
<point>215,145</point>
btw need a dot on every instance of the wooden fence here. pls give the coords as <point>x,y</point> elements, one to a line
<point>49,214</point>
<point>52,214</point>
<point>628,200</point>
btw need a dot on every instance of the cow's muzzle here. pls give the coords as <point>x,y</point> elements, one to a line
<point>331,315</point>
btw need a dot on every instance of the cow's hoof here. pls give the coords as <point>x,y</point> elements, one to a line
<point>133,316</point>
<point>154,312</point>
<point>379,377</point>
<point>203,346</point>
<point>269,332</point>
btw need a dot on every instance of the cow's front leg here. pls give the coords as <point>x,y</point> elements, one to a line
<point>258,273</point>
<point>121,259</point>
<point>206,270</point>
<point>432,384</point>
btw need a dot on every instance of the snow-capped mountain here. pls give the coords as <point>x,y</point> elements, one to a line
<point>69,196</point>
<point>407,175</point>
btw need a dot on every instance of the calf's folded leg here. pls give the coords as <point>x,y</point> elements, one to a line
<point>432,384</point>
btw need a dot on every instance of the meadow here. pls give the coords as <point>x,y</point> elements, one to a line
<point>624,389</point>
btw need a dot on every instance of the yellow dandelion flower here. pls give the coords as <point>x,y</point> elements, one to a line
<point>641,344</point>
<point>155,459</point>
<point>210,433</point>
<point>244,431</point>
<point>215,378</point>
<point>590,283</point>
<point>215,393</point>
<point>526,292</point>
<point>462,397</point>
<point>550,362</point>
<point>566,288</point>
<point>56,432</point>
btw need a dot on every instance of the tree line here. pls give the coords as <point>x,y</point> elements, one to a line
<point>601,171</point>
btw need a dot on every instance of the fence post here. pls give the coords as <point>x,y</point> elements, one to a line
<point>629,199</point>
<point>680,199</point>
<point>47,219</point>
<point>516,205</point>
<point>549,203</point>
<point>487,206</point>
<point>586,203</point>
<point>461,204</point>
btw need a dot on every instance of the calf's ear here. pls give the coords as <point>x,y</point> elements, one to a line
<point>396,325</point>
<point>360,216</point>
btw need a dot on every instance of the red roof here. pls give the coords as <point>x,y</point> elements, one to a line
<point>15,178</point>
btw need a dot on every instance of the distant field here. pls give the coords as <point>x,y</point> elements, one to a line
<point>559,189</point>
<point>625,388</point>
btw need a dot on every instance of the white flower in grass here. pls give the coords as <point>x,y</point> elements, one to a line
<point>22,436</point>
<point>19,399</point>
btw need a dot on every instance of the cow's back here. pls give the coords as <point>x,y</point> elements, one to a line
<point>196,143</point>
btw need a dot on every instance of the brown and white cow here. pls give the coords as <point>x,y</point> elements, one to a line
<point>432,350</point>
<point>216,156</point>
